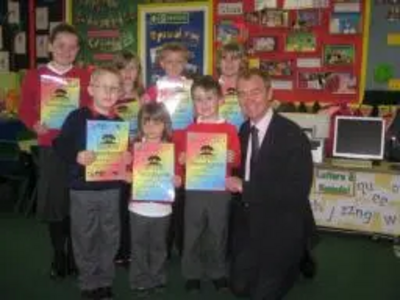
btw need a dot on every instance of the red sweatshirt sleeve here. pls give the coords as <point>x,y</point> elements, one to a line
<point>29,106</point>
<point>150,95</point>
<point>234,146</point>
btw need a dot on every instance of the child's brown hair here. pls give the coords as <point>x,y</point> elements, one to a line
<point>62,28</point>
<point>154,111</point>
<point>207,83</point>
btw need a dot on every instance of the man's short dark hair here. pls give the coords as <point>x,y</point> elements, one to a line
<point>254,72</point>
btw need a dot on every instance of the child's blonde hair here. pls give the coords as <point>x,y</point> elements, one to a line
<point>99,71</point>
<point>121,59</point>
<point>172,47</point>
<point>154,111</point>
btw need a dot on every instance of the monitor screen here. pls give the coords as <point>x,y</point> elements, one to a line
<point>318,123</point>
<point>359,137</point>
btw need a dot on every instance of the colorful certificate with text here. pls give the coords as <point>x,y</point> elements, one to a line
<point>153,172</point>
<point>109,140</point>
<point>59,96</point>
<point>206,159</point>
<point>175,94</point>
<point>128,111</point>
<point>231,111</point>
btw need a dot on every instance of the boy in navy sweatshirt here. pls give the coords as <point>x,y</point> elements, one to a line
<point>94,206</point>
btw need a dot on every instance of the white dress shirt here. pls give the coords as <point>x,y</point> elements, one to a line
<point>262,127</point>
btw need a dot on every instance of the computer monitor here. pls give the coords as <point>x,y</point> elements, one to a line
<point>318,123</point>
<point>359,137</point>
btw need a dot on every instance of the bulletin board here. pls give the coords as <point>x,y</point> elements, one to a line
<point>383,60</point>
<point>189,24</point>
<point>312,49</point>
<point>48,14</point>
<point>24,32</point>
<point>106,27</point>
<point>14,24</point>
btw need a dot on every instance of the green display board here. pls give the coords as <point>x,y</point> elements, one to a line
<point>107,27</point>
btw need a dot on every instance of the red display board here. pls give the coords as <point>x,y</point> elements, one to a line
<point>312,49</point>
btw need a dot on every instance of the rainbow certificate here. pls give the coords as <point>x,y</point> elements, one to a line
<point>128,111</point>
<point>59,96</point>
<point>175,94</point>
<point>108,139</point>
<point>153,172</point>
<point>206,159</point>
<point>231,111</point>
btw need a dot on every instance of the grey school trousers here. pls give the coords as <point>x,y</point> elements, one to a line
<point>205,234</point>
<point>148,251</point>
<point>95,230</point>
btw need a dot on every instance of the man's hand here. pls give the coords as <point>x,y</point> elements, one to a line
<point>234,184</point>
<point>40,128</point>
<point>86,158</point>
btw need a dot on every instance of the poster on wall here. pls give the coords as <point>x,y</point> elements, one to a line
<point>188,23</point>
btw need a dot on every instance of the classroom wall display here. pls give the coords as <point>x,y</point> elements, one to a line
<point>367,202</point>
<point>187,23</point>
<point>383,61</point>
<point>313,50</point>
<point>106,27</point>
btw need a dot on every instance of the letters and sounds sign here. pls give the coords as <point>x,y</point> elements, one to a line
<point>360,201</point>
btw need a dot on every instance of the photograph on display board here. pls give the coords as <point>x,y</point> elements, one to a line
<point>333,82</point>
<point>301,42</point>
<point>277,68</point>
<point>262,44</point>
<point>308,18</point>
<point>312,80</point>
<point>274,18</point>
<point>341,83</point>
<point>228,31</point>
<point>186,23</point>
<point>345,23</point>
<point>336,55</point>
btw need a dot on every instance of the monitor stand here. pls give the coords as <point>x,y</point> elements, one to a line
<point>352,163</point>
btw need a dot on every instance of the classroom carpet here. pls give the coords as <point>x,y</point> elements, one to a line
<point>350,268</point>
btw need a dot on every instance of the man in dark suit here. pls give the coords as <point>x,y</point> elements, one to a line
<point>273,221</point>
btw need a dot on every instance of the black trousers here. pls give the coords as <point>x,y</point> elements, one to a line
<point>176,227</point>
<point>124,249</point>
<point>250,276</point>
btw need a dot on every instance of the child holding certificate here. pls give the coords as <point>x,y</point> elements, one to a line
<point>94,207</point>
<point>173,89</point>
<point>48,95</point>
<point>212,151</point>
<point>127,108</point>
<point>231,62</point>
<point>153,186</point>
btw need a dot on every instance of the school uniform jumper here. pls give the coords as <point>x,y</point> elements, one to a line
<point>94,211</point>
<point>206,217</point>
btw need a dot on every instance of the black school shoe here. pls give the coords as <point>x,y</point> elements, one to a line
<point>192,285</point>
<point>308,265</point>
<point>89,294</point>
<point>58,269</point>
<point>105,293</point>
<point>220,284</point>
<point>142,292</point>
